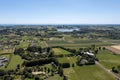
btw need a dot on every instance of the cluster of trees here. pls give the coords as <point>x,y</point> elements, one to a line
<point>40,62</point>
<point>34,49</point>
<point>67,49</point>
<point>29,53</point>
<point>111,32</point>
<point>7,74</point>
<point>116,69</point>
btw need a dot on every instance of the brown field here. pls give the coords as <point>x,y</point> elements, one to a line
<point>114,49</point>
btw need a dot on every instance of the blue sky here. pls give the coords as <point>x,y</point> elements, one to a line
<point>59,11</point>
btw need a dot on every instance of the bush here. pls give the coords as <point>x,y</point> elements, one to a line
<point>65,65</point>
<point>2,72</point>
<point>115,70</point>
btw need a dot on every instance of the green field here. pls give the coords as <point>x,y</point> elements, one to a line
<point>60,51</point>
<point>15,60</point>
<point>92,72</point>
<point>77,43</point>
<point>86,72</point>
<point>108,59</point>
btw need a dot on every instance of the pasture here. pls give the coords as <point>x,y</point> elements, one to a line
<point>108,59</point>
<point>86,72</point>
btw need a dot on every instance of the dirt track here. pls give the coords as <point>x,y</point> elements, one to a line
<point>108,71</point>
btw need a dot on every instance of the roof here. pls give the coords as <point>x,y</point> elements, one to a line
<point>38,73</point>
<point>88,53</point>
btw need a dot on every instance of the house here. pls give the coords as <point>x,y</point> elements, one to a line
<point>88,53</point>
<point>87,58</point>
<point>3,60</point>
<point>38,73</point>
<point>36,53</point>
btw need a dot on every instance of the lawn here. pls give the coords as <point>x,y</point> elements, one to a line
<point>60,51</point>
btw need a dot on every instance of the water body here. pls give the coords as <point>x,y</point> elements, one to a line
<point>67,30</point>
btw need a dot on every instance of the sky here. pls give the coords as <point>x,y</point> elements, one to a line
<point>59,11</point>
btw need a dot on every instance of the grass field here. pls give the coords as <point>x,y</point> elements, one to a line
<point>15,60</point>
<point>86,72</point>
<point>107,59</point>
<point>77,43</point>
<point>92,72</point>
<point>60,51</point>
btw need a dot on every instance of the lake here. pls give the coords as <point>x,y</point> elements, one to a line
<point>66,30</point>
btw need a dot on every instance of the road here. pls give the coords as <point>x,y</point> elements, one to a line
<point>107,70</point>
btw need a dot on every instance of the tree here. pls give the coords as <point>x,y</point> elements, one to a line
<point>37,78</point>
<point>73,65</point>
<point>48,49</point>
<point>60,71</point>
<point>51,54</point>
<point>48,70</point>
<point>2,72</point>
<point>65,78</point>
<point>18,66</point>
<point>115,70</point>
<point>19,51</point>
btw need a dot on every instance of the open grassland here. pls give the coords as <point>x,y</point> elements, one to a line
<point>60,51</point>
<point>108,59</point>
<point>92,72</point>
<point>15,60</point>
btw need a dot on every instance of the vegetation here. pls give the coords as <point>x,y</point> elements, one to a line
<point>41,52</point>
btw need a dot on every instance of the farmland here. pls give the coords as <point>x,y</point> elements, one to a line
<point>76,43</point>
<point>108,59</point>
<point>115,49</point>
<point>59,55</point>
<point>84,72</point>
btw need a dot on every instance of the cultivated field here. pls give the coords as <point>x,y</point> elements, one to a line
<point>77,43</point>
<point>114,49</point>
